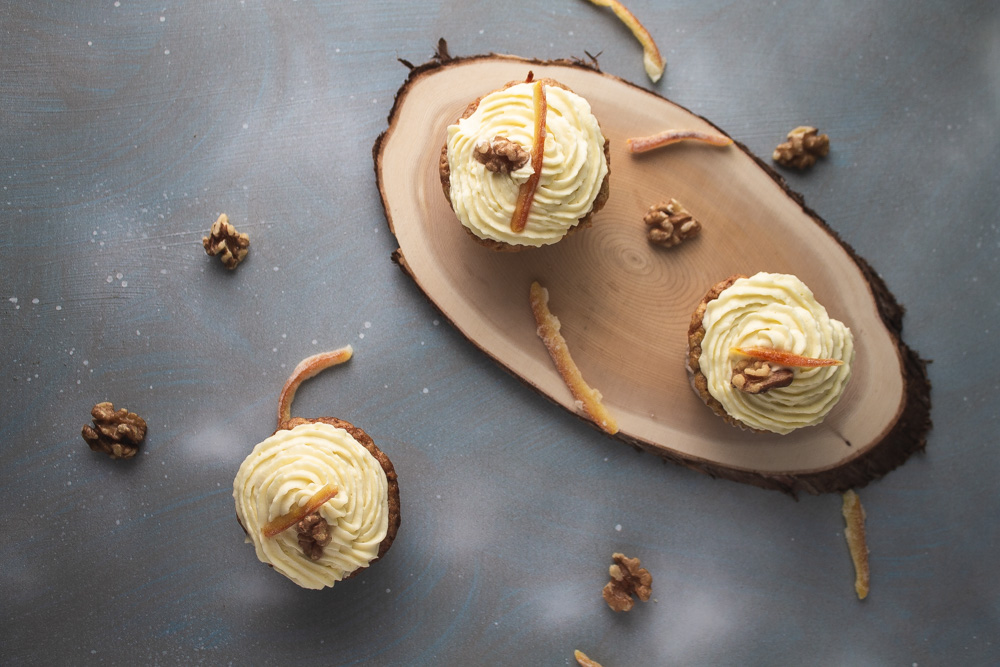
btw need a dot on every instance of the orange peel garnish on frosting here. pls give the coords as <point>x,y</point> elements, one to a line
<point>526,193</point>
<point>548,330</point>
<point>667,137</point>
<point>854,515</point>
<point>784,358</point>
<point>282,523</point>
<point>307,368</point>
<point>651,58</point>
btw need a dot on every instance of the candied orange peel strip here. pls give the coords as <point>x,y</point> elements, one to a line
<point>548,331</point>
<point>583,660</point>
<point>651,58</point>
<point>667,137</point>
<point>526,193</point>
<point>784,358</point>
<point>307,368</point>
<point>282,523</point>
<point>854,515</point>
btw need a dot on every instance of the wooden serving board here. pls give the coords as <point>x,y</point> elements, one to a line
<point>625,305</point>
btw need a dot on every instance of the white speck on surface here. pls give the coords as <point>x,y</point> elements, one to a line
<point>388,590</point>
<point>618,527</point>
<point>361,335</point>
<point>162,19</point>
<point>109,280</point>
<point>426,390</point>
<point>58,307</point>
<point>276,269</point>
<point>437,322</point>
<point>166,52</point>
<point>86,363</point>
<point>246,126</point>
<point>137,333</point>
<point>124,283</point>
<point>119,276</point>
<point>35,301</point>
<point>314,341</point>
<point>368,325</point>
<point>284,335</point>
<point>13,299</point>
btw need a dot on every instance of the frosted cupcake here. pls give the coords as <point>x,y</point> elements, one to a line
<point>765,355</point>
<point>525,165</point>
<point>318,500</point>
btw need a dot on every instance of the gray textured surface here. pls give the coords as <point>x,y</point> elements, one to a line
<point>128,126</point>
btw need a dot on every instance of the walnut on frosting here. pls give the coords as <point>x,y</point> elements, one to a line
<point>314,534</point>
<point>669,223</point>
<point>755,376</point>
<point>500,154</point>
<point>627,579</point>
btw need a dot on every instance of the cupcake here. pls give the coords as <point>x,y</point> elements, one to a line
<point>506,192</point>
<point>765,355</point>
<point>318,500</point>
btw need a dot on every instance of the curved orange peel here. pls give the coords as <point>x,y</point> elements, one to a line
<point>282,523</point>
<point>667,137</point>
<point>784,358</point>
<point>307,368</point>
<point>651,58</point>
<point>548,331</point>
<point>526,193</point>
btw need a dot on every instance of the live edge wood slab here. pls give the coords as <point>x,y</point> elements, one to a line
<point>625,305</point>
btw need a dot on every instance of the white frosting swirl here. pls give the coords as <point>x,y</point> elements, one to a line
<point>285,471</point>
<point>573,167</point>
<point>777,311</point>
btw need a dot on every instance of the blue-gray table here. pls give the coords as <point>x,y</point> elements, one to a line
<point>127,126</point>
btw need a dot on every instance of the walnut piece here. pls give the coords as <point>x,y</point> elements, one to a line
<point>669,223</point>
<point>804,145</point>
<point>755,376</point>
<point>314,534</point>
<point>500,155</point>
<point>225,241</point>
<point>117,433</point>
<point>627,579</point>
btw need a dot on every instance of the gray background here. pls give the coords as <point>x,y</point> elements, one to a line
<point>127,127</point>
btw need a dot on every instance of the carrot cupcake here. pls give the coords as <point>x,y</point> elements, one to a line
<point>765,355</point>
<point>525,165</point>
<point>318,499</point>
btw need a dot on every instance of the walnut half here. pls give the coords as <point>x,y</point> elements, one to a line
<point>500,155</point>
<point>117,433</point>
<point>225,241</point>
<point>669,223</point>
<point>627,579</point>
<point>755,376</point>
<point>314,534</point>
<point>804,145</point>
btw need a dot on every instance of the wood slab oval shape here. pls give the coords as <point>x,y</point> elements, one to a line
<point>625,305</point>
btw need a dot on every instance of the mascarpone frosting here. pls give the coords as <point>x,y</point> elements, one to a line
<point>284,471</point>
<point>573,168</point>
<point>776,311</point>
